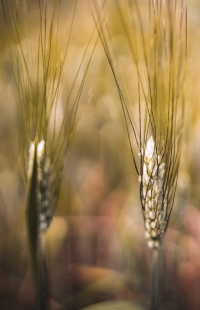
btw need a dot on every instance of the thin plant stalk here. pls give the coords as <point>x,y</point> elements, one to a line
<point>43,272</point>
<point>155,291</point>
<point>38,65</point>
<point>37,240</point>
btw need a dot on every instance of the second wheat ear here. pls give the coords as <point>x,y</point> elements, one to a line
<point>39,48</point>
<point>41,203</point>
<point>46,189</point>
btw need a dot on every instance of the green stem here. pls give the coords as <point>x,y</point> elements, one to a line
<point>36,240</point>
<point>43,286</point>
<point>154,296</point>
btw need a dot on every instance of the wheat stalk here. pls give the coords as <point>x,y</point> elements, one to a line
<point>157,43</point>
<point>38,66</point>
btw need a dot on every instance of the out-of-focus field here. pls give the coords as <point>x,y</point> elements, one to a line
<point>96,249</point>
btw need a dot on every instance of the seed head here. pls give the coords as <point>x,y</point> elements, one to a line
<point>152,194</point>
<point>46,196</point>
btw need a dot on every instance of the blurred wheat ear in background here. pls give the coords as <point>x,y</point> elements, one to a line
<point>48,115</point>
<point>157,46</point>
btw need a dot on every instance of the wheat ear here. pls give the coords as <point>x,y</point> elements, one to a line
<point>158,51</point>
<point>38,62</point>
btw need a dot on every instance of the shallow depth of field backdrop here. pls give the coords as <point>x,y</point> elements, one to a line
<point>96,249</point>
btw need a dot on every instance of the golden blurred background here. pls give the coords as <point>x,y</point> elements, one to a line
<point>96,249</point>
